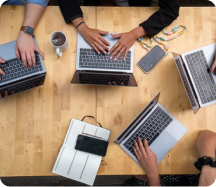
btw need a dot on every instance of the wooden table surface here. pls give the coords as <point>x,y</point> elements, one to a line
<point>33,124</point>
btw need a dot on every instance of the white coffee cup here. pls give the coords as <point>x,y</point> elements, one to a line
<point>59,41</point>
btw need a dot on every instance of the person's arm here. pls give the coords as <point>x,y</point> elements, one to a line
<point>25,45</point>
<point>168,12</point>
<point>206,146</point>
<point>72,13</point>
<point>213,68</point>
<point>1,71</point>
<point>148,161</point>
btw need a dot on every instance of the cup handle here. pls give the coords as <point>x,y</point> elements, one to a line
<point>58,52</point>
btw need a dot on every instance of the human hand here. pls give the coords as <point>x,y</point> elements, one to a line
<point>115,83</point>
<point>207,176</point>
<point>148,161</point>
<point>25,48</point>
<point>94,38</point>
<point>6,94</point>
<point>1,71</point>
<point>126,40</point>
<point>214,64</point>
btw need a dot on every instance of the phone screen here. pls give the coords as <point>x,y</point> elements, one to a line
<point>151,58</point>
<point>91,145</point>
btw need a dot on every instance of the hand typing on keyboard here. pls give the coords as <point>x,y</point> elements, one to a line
<point>6,94</point>
<point>126,40</point>
<point>148,161</point>
<point>15,68</point>
<point>2,72</point>
<point>25,48</point>
<point>92,36</point>
<point>115,83</point>
<point>213,68</point>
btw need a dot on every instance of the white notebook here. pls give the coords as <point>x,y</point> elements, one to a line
<point>78,165</point>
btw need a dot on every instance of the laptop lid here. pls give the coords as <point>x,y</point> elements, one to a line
<point>207,80</point>
<point>137,119</point>
<point>83,47</point>
<point>103,78</point>
<point>186,82</point>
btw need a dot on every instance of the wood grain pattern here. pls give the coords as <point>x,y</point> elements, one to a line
<point>34,123</point>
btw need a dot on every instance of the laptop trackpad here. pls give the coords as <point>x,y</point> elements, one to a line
<point>161,146</point>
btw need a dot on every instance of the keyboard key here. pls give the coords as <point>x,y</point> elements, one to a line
<point>202,76</point>
<point>15,68</point>
<point>102,59</point>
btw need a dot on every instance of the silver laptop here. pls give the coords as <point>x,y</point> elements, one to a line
<point>194,70</point>
<point>99,69</point>
<point>18,78</point>
<point>154,123</point>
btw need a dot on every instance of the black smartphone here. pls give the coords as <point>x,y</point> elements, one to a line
<point>151,58</point>
<point>91,145</point>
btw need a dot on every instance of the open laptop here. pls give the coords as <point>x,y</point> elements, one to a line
<point>99,69</point>
<point>194,70</point>
<point>18,78</point>
<point>154,123</point>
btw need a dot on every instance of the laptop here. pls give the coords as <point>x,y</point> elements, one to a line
<point>154,123</point>
<point>194,70</point>
<point>99,69</point>
<point>18,78</point>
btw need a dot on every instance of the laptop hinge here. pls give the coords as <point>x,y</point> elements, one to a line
<point>187,83</point>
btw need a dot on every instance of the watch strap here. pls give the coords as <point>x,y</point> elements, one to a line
<point>22,28</point>
<point>28,30</point>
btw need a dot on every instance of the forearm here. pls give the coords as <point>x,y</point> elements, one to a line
<point>76,21</point>
<point>82,29</point>
<point>33,14</point>
<point>138,32</point>
<point>206,143</point>
<point>155,181</point>
<point>168,12</point>
<point>154,178</point>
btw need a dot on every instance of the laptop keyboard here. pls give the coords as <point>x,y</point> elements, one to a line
<point>184,79</point>
<point>15,68</point>
<point>150,129</point>
<point>202,76</point>
<point>103,79</point>
<point>91,59</point>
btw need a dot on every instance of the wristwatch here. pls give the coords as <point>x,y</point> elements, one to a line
<point>28,30</point>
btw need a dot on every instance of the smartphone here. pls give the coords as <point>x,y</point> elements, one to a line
<point>151,58</point>
<point>91,145</point>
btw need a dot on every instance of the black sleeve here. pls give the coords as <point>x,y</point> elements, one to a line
<point>168,12</point>
<point>70,10</point>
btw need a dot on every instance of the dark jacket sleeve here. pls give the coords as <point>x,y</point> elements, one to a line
<point>168,12</point>
<point>70,10</point>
